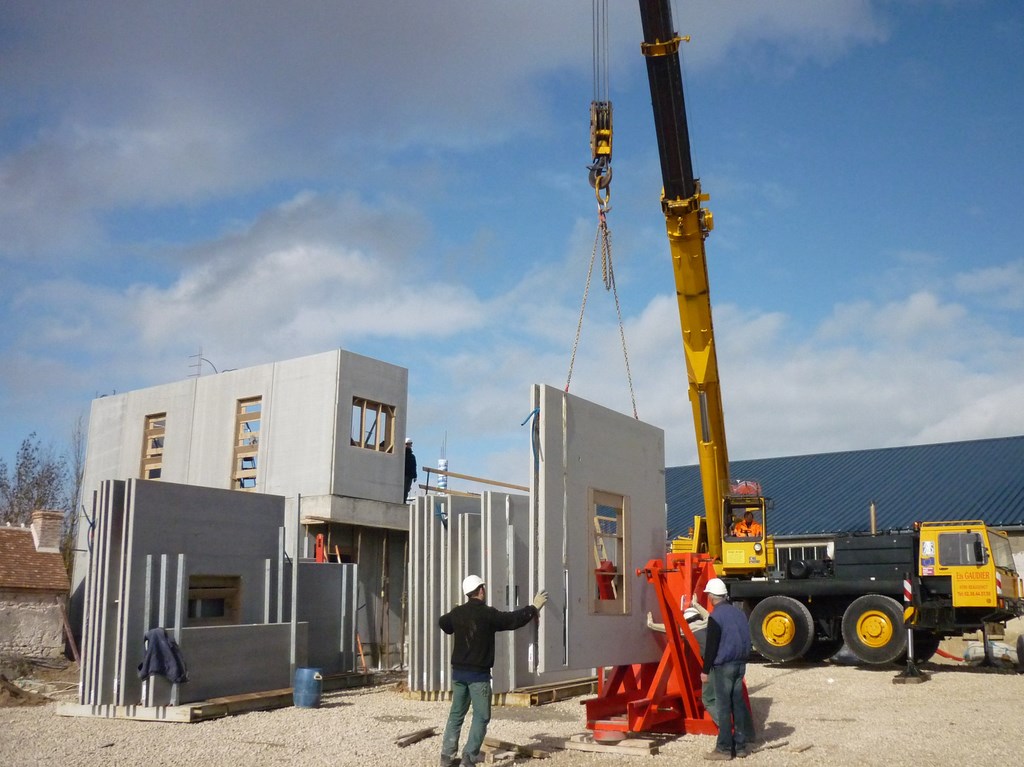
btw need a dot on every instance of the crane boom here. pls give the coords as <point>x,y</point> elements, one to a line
<point>688,224</point>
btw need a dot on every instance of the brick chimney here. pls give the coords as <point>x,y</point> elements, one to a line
<point>46,529</point>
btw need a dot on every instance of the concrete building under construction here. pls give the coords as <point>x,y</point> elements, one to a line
<point>325,432</point>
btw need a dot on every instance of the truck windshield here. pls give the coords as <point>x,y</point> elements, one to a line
<point>1001,552</point>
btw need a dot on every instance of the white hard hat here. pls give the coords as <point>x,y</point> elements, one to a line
<point>691,614</point>
<point>408,440</point>
<point>716,587</point>
<point>471,583</point>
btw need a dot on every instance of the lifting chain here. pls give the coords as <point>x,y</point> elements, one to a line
<point>603,242</point>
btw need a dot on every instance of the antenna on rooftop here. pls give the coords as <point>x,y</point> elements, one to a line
<point>197,366</point>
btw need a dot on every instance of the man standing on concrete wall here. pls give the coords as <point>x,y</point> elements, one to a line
<point>474,625</point>
<point>411,470</point>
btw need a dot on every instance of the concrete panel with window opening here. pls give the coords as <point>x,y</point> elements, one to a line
<point>598,494</point>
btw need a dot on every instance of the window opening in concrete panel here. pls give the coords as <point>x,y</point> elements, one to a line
<point>153,446</point>
<point>214,600</point>
<point>248,420</point>
<point>608,520</point>
<point>373,425</point>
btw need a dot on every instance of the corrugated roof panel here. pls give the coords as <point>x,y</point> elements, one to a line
<point>832,492</point>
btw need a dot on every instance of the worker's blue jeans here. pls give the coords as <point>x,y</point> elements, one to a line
<point>708,698</point>
<point>732,715</point>
<point>479,695</point>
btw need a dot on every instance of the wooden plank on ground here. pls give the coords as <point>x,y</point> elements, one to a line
<point>530,751</point>
<point>630,746</point>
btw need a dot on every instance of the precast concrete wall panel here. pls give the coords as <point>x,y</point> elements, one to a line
<point>213,430</point>
<point>242,659</point>
<point>300,426</point>
<point>327,599</point>
<point>219,532</point>
<point>495,571</point>
<point>582,448</point>
<point>359,472</point>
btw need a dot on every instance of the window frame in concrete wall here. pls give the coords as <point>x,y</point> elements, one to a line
<point>153,432</point>
<point>362,434</point>
<point>248,423</point>
<point>222,592</point>
<point>609,521</point>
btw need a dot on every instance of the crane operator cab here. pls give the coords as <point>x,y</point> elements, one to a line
<point>746,550</point>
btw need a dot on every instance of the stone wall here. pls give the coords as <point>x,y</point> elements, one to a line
<point>31,624</point>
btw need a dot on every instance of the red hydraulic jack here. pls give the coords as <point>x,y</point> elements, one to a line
<point>662,697</point>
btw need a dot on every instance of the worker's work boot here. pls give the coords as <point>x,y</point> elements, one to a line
<point>717,756</point>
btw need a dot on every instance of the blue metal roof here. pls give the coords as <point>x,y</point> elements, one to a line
<point>832,492</point>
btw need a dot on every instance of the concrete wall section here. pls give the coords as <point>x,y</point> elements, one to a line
<point>585,448</point>
<point>327,598</point>
<point>219,532</point>
<point>233,660</point>
<point>365,473</point>
<point>299,426</point>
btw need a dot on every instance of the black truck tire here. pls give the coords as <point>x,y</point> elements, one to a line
<point>873,629</point>
<point>781,628</point>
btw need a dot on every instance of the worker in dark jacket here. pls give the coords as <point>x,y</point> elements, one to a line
<point>474,624</point>
<point>726,651</point>
<point>411,469</point>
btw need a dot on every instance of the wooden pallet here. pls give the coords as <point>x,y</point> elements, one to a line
<point>536,695</point>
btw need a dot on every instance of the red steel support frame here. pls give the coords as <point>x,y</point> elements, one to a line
<point>664,696</point>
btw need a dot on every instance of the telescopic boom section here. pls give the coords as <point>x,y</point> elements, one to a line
<point>688,224</point>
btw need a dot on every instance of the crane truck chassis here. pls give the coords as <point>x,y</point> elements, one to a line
<point>941,579</point>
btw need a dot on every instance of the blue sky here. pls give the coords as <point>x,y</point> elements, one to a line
<point>408,181</point>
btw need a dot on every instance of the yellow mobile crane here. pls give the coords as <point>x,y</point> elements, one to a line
<point>940,578</point>
<point>688,224</point>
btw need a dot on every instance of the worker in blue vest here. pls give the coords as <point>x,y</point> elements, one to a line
<point>726,651</point>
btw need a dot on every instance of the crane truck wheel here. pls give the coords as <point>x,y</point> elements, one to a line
<point>873,629</point>
<point>781,628</point>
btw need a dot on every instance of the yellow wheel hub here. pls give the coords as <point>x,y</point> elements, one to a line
<point>778,628</point>
<point>874,628</point>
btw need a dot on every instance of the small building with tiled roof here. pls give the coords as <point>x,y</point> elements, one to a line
<point>34,588</point>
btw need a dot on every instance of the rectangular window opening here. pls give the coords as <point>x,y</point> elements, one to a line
<point>373,425</point>
<point>153,432</point>
<point>608,523</point>
<point>214,600</point>
<point>248,421</point>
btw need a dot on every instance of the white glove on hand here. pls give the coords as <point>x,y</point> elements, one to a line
<point>540,600</point>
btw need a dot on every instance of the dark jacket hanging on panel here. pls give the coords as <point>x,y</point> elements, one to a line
<point>163,657</point>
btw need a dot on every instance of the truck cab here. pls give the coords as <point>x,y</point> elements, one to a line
<point>970,562</point>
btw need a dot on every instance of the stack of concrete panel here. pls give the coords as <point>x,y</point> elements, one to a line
<point>451,537</point>
<point>148,539</point>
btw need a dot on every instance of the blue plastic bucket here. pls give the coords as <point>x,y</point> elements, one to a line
<point>309,684</point>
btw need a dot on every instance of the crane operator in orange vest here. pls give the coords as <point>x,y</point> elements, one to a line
<point>748,527</point>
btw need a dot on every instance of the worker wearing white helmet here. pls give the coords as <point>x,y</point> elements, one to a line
<point>411,469</point>
<point>725,664</point>
<point>474,624</point>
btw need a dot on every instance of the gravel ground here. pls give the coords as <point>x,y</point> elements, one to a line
<point>807,715</point>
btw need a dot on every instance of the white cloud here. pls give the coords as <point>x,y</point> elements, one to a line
<point>1002,286</point>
